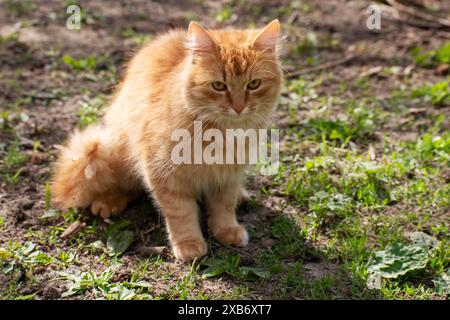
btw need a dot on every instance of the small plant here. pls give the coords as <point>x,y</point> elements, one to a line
<point>432,146</point>
<point>138,38</point>
<point>22,257</point>
<point>13,163</point>
<point>90,111</point>
<point>49,212</point>
<point>328,207</point>
<point>432,57</point>
<point>81,64</point>
<point>98,283</point>
<point>437,94</point>
<point>400,259</point>
<point>102,285</point>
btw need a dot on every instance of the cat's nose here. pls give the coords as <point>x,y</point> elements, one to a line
<point>238,107</point>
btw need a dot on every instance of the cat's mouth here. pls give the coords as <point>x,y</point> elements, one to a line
<point>232,115</point>
<point>248,119</point>
<point>230,118</point>
<point>246,111</point>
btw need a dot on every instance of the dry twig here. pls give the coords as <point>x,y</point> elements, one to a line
<point>326,65</point>
<point>419,14</point>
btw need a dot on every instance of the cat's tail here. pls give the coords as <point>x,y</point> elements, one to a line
<point>83,168</point>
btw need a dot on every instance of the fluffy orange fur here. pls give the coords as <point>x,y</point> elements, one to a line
<point>167,86</point>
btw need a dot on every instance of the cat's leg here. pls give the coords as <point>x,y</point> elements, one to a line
<point>92,170</point>
<point>243,196</point>
<point>180,210</point>
<point>221,206</point>
<point>114,201</point>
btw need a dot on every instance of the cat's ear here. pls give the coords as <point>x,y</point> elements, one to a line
<point>267,38</point>
<point>199,39</point>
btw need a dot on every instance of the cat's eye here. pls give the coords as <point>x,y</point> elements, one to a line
<point>254,84</point>
<point>219,86</point>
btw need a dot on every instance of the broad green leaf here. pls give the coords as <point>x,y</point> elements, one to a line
<point>125,293</point>
<point>28,247</point>
<point>253,273</point>
<point>118,226</point>
<point>442,285</point>
<point>8,267</point>
<point>423,239</point>
<point>118,239</point>
<point>118,242</point>
<point>396,260</point>
<point>232,268</point>
<point>371,167</point>
<point>216,268</point>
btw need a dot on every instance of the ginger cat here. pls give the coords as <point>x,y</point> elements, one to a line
<point>227,79</point>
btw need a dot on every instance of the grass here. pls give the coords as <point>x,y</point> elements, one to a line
<point>79,64</point>
<point>352,204</point>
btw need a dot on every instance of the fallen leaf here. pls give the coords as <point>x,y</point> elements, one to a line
<point>442,69</point>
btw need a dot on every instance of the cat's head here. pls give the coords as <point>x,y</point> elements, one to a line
<point>235,75</point>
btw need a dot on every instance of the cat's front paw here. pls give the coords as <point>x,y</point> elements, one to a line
<point>236,235</point>
<point>110,207</point>
<point>190,249</point>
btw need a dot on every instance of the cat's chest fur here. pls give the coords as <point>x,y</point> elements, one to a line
<point>203,177</point>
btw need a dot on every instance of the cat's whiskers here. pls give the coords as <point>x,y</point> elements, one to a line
<point>264,120</point>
